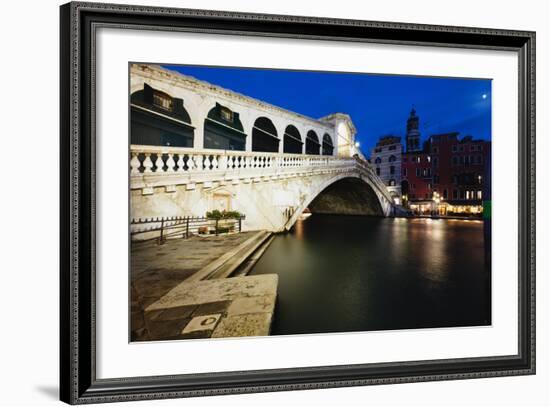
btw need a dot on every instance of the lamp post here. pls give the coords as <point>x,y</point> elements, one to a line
<point>436,199</point>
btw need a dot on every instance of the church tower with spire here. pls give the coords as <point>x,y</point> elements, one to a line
<point>413,135</point>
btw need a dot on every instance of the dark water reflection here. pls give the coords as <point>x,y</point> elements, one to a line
<point>341,274</point>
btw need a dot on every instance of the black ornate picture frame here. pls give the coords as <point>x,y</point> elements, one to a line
<point>79,22</point>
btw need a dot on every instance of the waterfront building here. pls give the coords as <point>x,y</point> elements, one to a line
<point>462,178</point>
<point>386,158</point>
<point>448,176</point>
<point>416,176</point>
<point>445,175</point>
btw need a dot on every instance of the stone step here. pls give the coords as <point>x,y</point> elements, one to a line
<point>242,255</point>
<point>212,268</point>
<point>247,265</point>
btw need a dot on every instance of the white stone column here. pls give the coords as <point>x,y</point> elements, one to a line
<point>199,132</point>
<point>198,115</point>
<point>281,134</point>
<point>303,133</point>
<point>248,126</point>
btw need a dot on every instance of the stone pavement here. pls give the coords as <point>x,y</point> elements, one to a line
<point>157,270</point>
<point>221,308</point>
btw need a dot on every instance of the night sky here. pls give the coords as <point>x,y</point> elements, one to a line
<point>378,104</point>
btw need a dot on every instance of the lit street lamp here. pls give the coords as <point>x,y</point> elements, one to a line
<point>436,199</point>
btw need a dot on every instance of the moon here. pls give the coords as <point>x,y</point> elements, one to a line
<point>484,96</point>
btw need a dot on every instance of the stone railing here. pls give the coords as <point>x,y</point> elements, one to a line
<point>152,166</point>
<point>153,159</point>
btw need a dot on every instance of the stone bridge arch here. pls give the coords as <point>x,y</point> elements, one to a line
<point>343,194</point>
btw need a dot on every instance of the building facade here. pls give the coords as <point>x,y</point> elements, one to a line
<point>386,157</point>
<point>448,177</point>
<point>416,177</point>
<point>445,175</point>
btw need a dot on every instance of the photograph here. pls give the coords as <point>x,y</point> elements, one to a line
<point>297,202</point>
<point>257,201</point>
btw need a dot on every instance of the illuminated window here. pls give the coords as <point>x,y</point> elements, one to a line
<point>162,100</point>
<point>479,179</point>
<point>479,195</point>
<point>428,158</point>
<point>226,114</point>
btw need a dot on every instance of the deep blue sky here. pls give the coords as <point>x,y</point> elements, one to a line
<point>378,104</point>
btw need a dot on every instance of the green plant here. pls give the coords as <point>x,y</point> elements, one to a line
<point>216,214</point>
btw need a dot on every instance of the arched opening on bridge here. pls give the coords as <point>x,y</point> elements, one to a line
<point>223,129</point>
<point>292,141</point>
<point>158,119</point>
<point>264,136</point>
<point>328,147</point>
<point>348,196</point>
<point>312,143</point>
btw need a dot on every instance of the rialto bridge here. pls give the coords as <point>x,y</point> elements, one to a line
<point>196,147</point>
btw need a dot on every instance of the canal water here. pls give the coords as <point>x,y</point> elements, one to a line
<point>349,273</point>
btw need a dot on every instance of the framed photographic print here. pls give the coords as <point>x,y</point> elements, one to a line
<point>258,203</point>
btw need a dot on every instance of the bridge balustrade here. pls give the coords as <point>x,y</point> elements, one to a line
<point>155,159</point>
<point>152,166</point>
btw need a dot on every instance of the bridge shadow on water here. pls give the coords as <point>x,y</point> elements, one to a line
<point>357,273</point>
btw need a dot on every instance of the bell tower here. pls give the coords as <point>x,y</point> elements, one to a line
<point>413,135</point>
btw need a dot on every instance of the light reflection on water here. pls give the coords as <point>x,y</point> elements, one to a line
<point>342,273</point>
